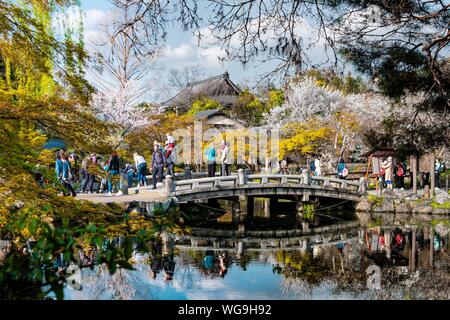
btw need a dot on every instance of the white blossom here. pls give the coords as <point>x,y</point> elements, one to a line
<point>305,99</point>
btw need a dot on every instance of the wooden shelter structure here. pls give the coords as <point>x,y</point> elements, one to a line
<point>217,118</point>
<point>419,164</point>
<point>376,157</point>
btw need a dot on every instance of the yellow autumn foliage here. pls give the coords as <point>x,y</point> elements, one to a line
<point>303,138</point>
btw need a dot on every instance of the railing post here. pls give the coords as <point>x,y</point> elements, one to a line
<point>305,176</point>
<point>241,177</point>
<point>124,183</point>
<point>362,185</point>
<point>326,183</point>
<point>169,185</point>
<point>187,173</point>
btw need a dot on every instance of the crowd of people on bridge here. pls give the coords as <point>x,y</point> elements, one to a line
<point>99,174</point>
<point>108,174</point>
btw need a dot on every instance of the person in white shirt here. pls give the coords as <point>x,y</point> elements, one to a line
<point>141,167</point>
<point>170,140</point>
<point>318,171</point>
<point>224,157</point>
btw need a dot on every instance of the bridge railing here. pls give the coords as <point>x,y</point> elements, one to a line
<point>202,183</point>
<point>242,179</point>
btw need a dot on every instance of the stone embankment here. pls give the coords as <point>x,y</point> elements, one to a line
<point>406,205</point>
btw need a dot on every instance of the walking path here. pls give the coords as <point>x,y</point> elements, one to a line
<point>134,194</point>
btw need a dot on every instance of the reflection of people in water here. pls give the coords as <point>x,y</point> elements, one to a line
<point>398,242</point>
<point>213,265</point>
<point>161,260</point>
<point>223,264</point>
<point>87,258</point>
<point>156,258</point>
<point>169,267</point>
<point>208,261</point>
<point>381,241</point>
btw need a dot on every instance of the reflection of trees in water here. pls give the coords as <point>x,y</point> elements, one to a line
<point>301,273</point>
<point>293,264</point>
<point>345,271</point>
<point>101,284</point>
<point>425,284</point>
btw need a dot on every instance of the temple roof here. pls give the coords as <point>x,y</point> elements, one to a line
<point>219,88</point>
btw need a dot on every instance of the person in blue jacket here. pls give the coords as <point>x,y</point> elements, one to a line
<point>210,154</point>
<point>64,174</point>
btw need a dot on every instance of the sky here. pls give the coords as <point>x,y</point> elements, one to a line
<point>182,49</point>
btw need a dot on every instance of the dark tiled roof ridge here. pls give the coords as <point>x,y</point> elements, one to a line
<point>189,87</point>
<point>218,77</point>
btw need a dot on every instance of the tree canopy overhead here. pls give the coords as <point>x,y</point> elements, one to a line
<point>402,45</point>
<point>43,93</point>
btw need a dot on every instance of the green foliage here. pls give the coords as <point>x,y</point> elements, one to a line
<point>308,211</point>
<point>374,200</point>
<point>375,222</point>
<point>445,223</point>
<point>275,98</point>
<point>293,264</point>
<point>204,104</point>
<point>249,108</point>
<point>43,94</point>
<point>445,205</point>
<point>347,84</point>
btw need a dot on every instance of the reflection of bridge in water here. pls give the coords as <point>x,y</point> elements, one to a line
<point>210,239</point>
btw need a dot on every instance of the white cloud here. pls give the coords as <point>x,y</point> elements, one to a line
<point>189,53</point>
<point>93,18</point>
<point>182,52</point>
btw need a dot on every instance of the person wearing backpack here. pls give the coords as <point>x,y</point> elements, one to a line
<point>113,172</point>
<point>158,162</point>
<point>399,175</point>
<point>171,158</point>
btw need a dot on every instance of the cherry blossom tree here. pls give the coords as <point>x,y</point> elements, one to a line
<point>121,110</point>
<point>304,99</point>
<point>123,79</point>
<point>349,117</point>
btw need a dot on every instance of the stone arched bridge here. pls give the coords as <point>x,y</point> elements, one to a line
<point>264,185</point>
<point>239,185</point>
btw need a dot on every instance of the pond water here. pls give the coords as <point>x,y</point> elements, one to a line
<point>338,258</point>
